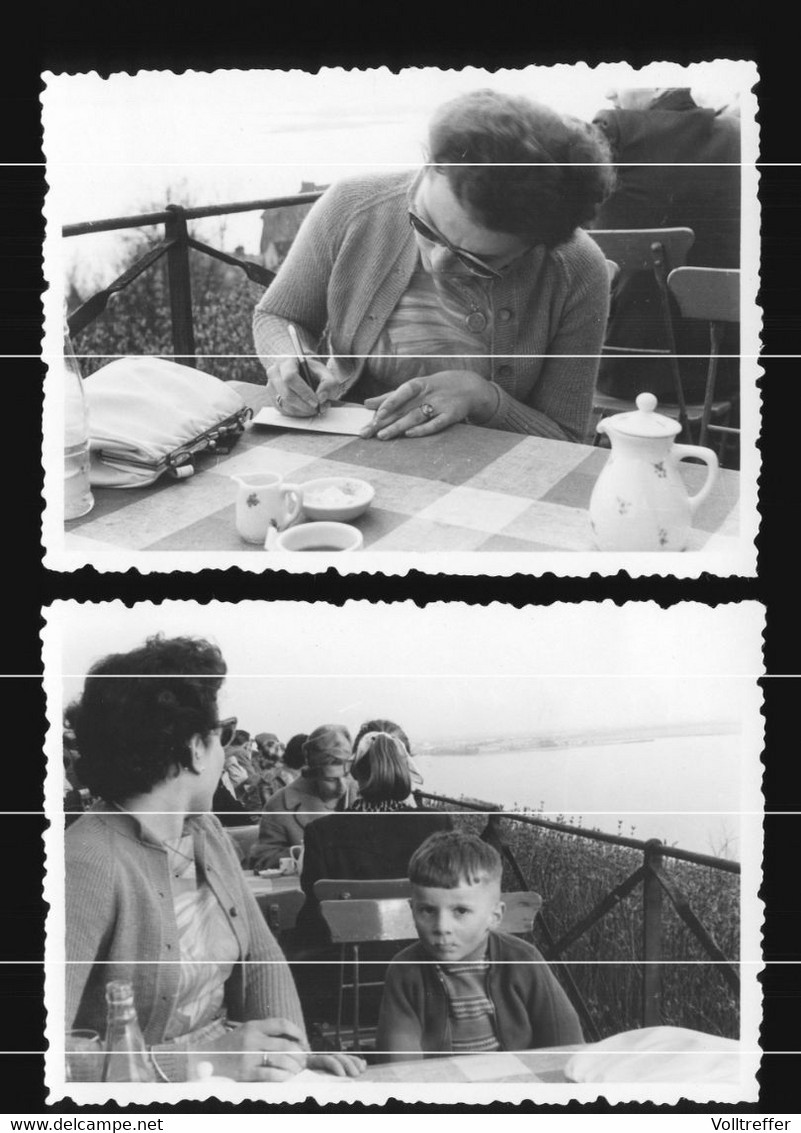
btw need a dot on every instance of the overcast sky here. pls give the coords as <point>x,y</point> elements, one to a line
<point>445,670</point>
<point>132,142</point>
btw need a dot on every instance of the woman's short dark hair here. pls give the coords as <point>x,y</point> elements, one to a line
<point>139,710</point>
<point>293,752</point>
<point>382,725</point>
<point>518,167</point>
<point>450,859</point>
<point>382,772</point>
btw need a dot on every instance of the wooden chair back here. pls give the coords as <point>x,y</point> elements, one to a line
<point>361,920</point>
<point>337,889</point>
<point>280,910</point>
<point>632,249</point>
<point>521,909</point>
<point>713,295</point>
<point>656,251</point>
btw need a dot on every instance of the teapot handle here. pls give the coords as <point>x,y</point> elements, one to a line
<point>710,460</point>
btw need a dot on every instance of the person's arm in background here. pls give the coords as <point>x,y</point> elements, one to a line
<point>273,841</point>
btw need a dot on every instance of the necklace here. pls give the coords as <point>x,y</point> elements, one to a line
<point>190,858</point>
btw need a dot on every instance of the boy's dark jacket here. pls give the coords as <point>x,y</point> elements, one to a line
<point>531,1009</point>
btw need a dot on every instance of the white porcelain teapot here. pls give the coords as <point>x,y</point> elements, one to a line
<point>639,502</point>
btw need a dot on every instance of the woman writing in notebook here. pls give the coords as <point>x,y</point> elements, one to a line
<point>463,291</point>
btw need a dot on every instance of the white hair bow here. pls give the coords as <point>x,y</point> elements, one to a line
<point>366,742</point>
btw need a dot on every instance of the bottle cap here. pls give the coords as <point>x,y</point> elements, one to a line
<point>118,991</point>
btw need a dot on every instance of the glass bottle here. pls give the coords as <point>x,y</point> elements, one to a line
<point>126,1058</point>
<point>78,498</point>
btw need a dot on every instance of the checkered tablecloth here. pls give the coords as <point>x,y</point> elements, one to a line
<point>466,489</point>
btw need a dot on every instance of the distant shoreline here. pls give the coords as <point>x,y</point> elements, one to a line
<point>550,741</point>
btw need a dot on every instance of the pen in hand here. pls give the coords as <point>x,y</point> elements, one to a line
<point>303,362</point>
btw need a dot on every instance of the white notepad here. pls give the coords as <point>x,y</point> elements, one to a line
<point>347,420</point>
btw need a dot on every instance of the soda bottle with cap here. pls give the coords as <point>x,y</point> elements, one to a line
<point>78,498</point>
<point>126,1057</point>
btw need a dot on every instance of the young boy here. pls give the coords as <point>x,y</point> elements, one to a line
<point>466,987</point>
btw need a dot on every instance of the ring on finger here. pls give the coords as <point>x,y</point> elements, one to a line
<point>427,410</point>
<point>279,401</point>
<point>266,1060</point>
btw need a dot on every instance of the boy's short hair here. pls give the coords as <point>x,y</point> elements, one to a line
<point>450,859</point>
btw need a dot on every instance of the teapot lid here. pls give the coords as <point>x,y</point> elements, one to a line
<point>644,421</point>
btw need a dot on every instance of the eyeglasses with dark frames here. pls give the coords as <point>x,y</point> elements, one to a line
<point>471,262</point>
<point>227,730</point>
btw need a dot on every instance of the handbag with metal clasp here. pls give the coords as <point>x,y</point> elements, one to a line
<point>149,417</point>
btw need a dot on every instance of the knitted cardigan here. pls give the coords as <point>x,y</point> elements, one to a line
<point>354,258</point>
<point>119,912</point>
<point>531,1009</point>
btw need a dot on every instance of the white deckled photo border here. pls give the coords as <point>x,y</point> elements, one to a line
<point>69,98</point>
<point>357,657</point>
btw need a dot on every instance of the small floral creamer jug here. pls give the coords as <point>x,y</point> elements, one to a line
<point>264,500</point>
<point>639,502</point>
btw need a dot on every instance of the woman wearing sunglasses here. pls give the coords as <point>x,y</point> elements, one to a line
<point>465,291</point>
<point>154,892</point>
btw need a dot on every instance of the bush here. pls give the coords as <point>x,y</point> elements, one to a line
<point>137,319</point>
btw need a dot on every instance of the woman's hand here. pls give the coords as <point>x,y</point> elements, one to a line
<point>263,1050</point>
<point>423,406</point>
<point>292,396</point>
<point>343,1065</point>
<point>235,771</point>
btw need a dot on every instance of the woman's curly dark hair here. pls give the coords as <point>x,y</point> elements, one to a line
<point>530,171</point>
<point>139,710</point>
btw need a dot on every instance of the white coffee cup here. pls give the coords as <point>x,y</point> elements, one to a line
<point>263,500</point>
<point>286,865</point>
<point>322,536</point>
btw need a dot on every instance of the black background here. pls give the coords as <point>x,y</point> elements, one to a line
<point>93,37</point>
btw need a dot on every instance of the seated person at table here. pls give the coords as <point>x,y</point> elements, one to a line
<point>485,990</point>
<point>154,892</point>
<point>293,753</point>
<point>374,838</point>
<point>464,290</point>
<point>323,785</point>
<point>383,725</point>
<point>678,168</point>
<point>269,758</point>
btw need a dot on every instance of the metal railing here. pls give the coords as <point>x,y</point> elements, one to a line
<point>650,875</point>
<point>176,245</point>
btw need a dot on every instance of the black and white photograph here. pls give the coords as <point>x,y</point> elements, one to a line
<point>372,851</point>
<point>455,321</point>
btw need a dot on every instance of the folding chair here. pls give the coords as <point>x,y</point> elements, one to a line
<point>356,921</point>
<point>656,251</point>
<point>340,889</point>
<point>281,909</point>
<point>711,294</point>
